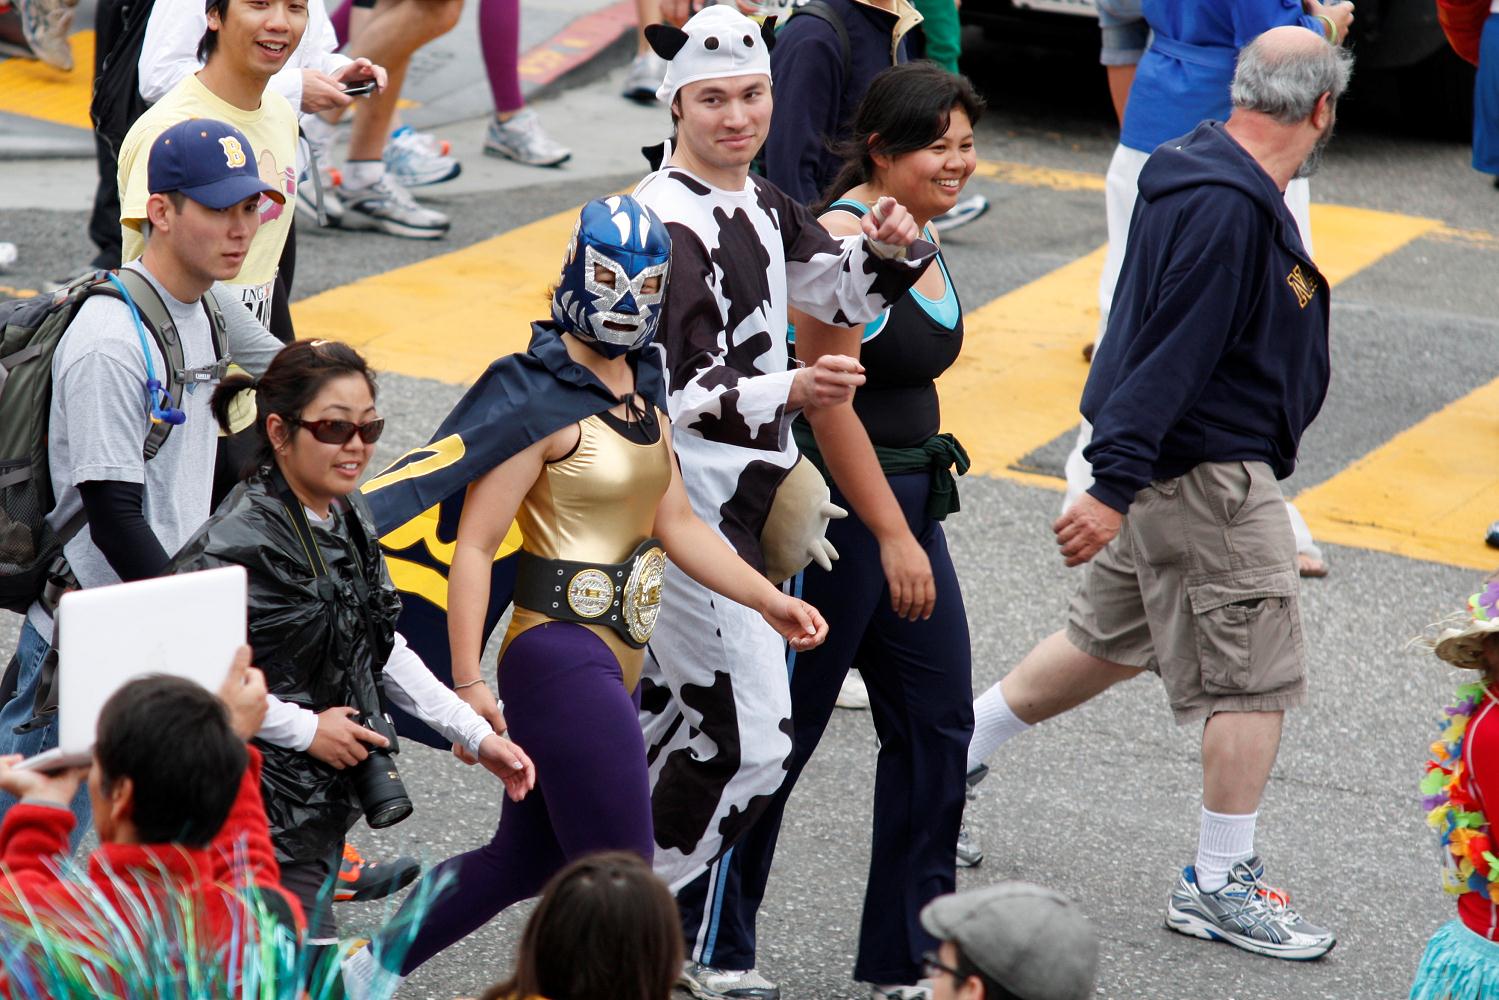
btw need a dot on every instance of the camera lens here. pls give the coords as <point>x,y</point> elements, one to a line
<point>380,791</point>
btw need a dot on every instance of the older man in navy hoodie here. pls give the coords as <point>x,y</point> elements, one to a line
<point>1216,360</point>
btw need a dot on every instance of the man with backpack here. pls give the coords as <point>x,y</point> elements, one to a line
<point>129,438</point>
<point>245,45</point>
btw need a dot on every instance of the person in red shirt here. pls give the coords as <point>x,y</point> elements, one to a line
<point>1462,779</point>
<point>184,847</point>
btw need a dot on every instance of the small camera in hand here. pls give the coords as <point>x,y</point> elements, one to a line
<point>376,780</point>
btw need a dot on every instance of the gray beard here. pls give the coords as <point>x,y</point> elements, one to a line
<point>1313,161</point>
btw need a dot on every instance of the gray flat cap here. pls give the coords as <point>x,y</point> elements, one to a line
<point>1032,941</point>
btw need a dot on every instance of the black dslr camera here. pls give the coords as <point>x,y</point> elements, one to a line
<point>376,780</point>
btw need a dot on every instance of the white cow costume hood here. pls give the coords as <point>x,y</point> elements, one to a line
<point>715,702</point>
<point>718,42</point>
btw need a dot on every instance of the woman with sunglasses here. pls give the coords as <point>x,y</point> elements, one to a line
<point>322,614</point>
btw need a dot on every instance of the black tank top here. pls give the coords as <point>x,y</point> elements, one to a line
<point>916,340</point>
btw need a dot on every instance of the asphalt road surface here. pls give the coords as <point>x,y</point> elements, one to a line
<point>1101,804</point>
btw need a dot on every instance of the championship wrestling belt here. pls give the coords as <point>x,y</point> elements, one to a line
<point>625,597</point>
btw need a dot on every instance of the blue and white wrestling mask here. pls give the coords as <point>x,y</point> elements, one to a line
<point>614,276</point>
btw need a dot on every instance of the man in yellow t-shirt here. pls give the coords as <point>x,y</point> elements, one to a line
<point>246,43</point>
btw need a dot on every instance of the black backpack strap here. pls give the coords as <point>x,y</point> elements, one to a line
<point>823,11</point>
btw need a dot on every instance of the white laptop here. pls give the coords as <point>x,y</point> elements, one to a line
<point>185,626</point>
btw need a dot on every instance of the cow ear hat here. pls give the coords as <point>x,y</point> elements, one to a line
<point>715,43</point>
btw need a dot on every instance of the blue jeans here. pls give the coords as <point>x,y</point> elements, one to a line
<point>31,651</point>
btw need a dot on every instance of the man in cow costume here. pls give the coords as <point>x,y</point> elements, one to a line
<point>715,703</point>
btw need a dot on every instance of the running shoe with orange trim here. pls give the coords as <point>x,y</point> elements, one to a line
<point>360,880</point>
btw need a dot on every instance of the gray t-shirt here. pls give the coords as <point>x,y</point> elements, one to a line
<point>98,421</point>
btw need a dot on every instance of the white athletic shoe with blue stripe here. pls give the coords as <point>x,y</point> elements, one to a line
<point>1246,913</point>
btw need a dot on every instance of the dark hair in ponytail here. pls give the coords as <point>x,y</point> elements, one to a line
<point>296,375</point>
<point>906,108</point>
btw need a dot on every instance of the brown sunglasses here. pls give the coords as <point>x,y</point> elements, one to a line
<point>343,431</point>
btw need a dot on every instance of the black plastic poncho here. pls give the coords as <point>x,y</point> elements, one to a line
<point>320,642</point>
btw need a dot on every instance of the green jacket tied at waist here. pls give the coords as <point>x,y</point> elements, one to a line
<point>938,454</point>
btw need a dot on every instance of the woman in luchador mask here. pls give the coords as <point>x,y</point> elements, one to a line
<point>590,481</point>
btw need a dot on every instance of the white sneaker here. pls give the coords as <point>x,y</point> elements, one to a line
<point>706,983</point>
<point>415,159</point>
<point>964,212</point>
<point>387,207</point>
<point>322,190</point>
<point>899,992</point>
<point>364,978</point>
<point>854,694</point>
<point>647,70</point>
<point>521,139</point>
<point>46,23</point>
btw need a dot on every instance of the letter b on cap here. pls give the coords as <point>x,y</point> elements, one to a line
<point>234,154</point>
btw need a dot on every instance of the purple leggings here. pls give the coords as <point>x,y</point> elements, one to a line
<point>499,38</point>
<point>566,705</point>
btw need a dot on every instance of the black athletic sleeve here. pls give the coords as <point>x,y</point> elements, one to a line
<point>117,523</point>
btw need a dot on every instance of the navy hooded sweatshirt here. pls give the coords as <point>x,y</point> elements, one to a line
<point>814,104</point>
<point>1217,346</point>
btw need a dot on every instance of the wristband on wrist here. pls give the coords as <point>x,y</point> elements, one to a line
<point>1332,29</point>
<point>467,684</point>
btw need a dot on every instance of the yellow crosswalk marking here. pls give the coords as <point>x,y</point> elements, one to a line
<point>449,316</point>
<point>1017,384</point>
<point>36,90</point>
<point>1428,493</point>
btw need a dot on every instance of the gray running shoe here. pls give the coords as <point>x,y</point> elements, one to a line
<point>647,70</point>
<point>970,852</point>
<point>707,983</point>
<point>521,139</point>
<point>1246,913</point>
<point>45,23</point>
<point>389,208</point>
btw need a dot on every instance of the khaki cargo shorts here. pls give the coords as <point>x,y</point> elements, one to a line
<point>1200,587</point>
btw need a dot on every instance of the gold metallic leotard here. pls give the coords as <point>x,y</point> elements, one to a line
<point>595,505</point>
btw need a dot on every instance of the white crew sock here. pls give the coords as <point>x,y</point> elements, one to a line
<point>360,174</point>
<point>993,723</point>
<point>1222,841</point>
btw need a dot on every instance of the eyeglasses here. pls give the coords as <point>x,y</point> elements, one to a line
<point>343,431</point>
<point>932,967</point>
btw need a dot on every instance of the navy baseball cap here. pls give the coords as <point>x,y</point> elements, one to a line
<point>209,161</point>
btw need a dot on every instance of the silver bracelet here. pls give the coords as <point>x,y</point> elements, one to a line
<point>467,684</point>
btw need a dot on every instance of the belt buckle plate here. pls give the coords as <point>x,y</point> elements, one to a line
<point>642,603</point>
<point>590,593</point>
